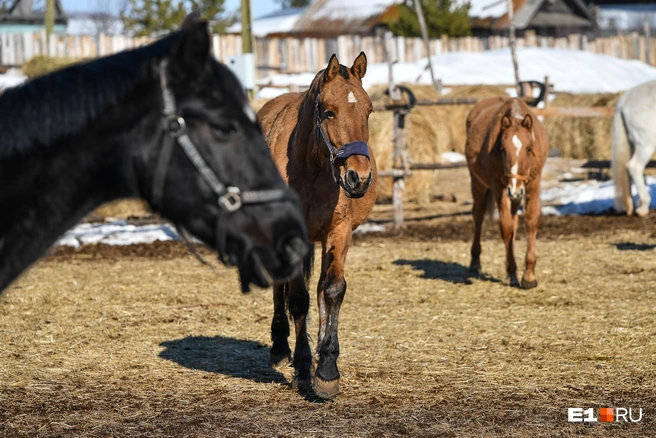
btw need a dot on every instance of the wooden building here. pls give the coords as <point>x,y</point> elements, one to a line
<point>22,17</point>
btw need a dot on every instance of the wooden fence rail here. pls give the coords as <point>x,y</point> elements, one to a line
<point>274,55</point>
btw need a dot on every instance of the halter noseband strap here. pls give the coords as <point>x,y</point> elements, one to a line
<point>230,199</point>
<point>353,148</point>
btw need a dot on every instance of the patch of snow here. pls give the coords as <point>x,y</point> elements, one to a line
<point>452,157</point>
<point>12,78</point>
<point>350,10</point>
<point>571,71</point>
<point>117,233</point>
<point>586,197</point>
<point>486,8</point>
<point>277,22</point>
<point>368,227</point>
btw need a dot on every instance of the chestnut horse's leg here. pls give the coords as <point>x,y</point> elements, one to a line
<point>508,225</point>
<point>280,353</point>
<point>299,305</point>
<point>532,220</point>
<point>330,293</point>
<point>480,196</point>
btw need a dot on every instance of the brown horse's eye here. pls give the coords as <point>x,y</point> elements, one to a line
<point>225,128</point>
<point>329,114</point>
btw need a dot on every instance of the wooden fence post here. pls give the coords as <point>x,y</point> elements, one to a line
<point>399,138</point>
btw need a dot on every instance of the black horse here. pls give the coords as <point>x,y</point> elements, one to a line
<point>165,122</point>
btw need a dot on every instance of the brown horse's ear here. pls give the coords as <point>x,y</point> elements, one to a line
<point>190,20</point>
<point>505,122</point>
<point>332,70</point>
<point>527,122</point>
<point>359,68</point>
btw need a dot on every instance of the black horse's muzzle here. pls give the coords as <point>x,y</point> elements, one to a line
<point>264,268</point>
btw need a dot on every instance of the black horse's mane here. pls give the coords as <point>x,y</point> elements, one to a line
<point>50,107</point>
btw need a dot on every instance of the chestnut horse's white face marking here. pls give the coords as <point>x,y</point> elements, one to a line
<point>518,147</point>
<point>351,97</point>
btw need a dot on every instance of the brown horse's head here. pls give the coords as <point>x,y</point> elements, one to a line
<point>517,140</point>
<point>342,109</point>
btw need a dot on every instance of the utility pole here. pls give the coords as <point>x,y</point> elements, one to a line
<point>513,46</point>
<point>49,20</point>
<point>424,34</point>
<point>247,34</point>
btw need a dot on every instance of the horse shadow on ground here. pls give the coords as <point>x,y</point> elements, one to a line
<point>447,271</point>
<point>222,355</point>
<point>628,246</point>
<point>230,357</point>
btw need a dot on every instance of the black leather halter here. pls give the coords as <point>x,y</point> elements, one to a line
<point>230,199</point>
<point>354,148</point>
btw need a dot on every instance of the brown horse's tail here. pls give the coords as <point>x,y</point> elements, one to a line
<point>621,155</point>
<point>308,265</point>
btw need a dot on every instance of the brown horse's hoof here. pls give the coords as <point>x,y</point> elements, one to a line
<point>326,389</point>
<point>280,360</point>
<point>513,282</point>
<point>529,284</point>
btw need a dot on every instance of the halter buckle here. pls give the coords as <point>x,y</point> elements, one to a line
<point>231,200</point>
<point>175,125</point>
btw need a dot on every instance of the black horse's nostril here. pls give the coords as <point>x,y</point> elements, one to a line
<point>369,179</point>
<point>352,178</point>
<point>293,250</point>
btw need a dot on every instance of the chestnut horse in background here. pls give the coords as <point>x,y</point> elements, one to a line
<point>506,150</point>
<point>318,140</point>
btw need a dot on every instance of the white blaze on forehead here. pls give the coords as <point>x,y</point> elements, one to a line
<point>250,113</point>
<point>518,143</point>
<point>351,97</point>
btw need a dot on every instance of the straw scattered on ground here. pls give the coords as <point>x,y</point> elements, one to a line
<point>144,341</point>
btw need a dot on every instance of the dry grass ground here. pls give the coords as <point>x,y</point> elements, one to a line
<point>144,341</point>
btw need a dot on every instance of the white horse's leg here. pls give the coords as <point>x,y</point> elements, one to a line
<point>636,167</point>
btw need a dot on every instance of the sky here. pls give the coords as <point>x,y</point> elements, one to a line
<point>260,7</point>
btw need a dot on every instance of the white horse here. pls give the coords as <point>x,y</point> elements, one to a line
<point>634,143</point>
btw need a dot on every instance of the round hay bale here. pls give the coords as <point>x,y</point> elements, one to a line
<point>42,65</point>
<point>581,137</point>
<point>432,131</point>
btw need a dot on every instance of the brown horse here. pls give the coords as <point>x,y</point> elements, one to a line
<point>318,140</point>
<point>506,150</point>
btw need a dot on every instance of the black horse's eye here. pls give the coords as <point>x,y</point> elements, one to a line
<point>225,128</point>
<point>329,114</point>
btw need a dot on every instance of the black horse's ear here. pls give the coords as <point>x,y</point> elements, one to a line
<point>527,122</point>
<point>190,20</point>
<point>192,51</point>
<point>505,122</point>
<point>359,68</point>
<point>332,70</point>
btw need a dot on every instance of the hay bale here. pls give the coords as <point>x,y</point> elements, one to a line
<point>42,65</point>
<point>122,209</point>
<point>581,137</point>
<point>432,131</point>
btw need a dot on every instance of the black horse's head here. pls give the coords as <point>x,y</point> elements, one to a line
<point>209,169</point>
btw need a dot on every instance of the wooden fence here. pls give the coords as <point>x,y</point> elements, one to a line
<point>310,54</point>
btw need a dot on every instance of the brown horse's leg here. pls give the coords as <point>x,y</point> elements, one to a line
<point>280,353</point>
<point>330,293</point>
<point>508,225</point>
<point>479,194</point>
<point>299,304</point>
<point>532,220</point>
